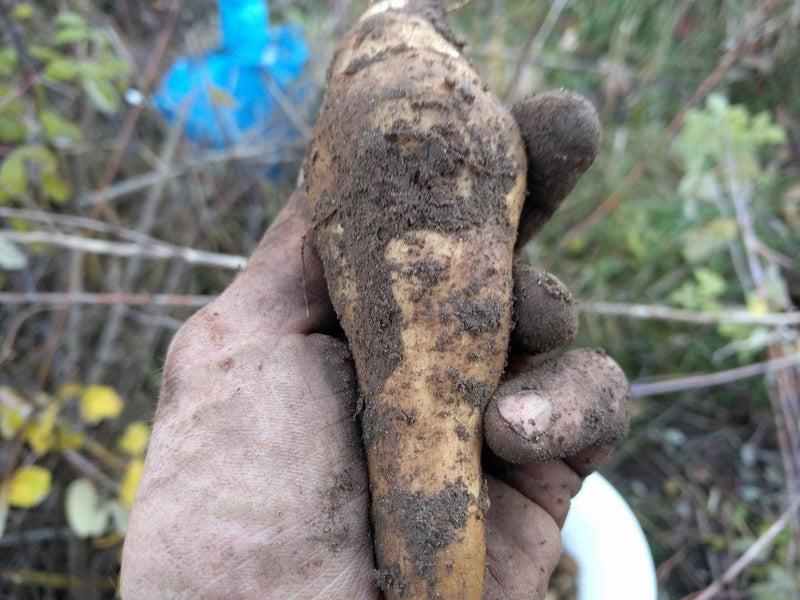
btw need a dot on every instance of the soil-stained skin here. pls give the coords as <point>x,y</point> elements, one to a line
<point>562,136</point>
<point>588,382</point>
<point>551,313</point>
<point>415,176</point>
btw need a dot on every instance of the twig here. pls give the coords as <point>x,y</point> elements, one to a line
<point>59,299</point>
<point>729,315</point>
<point>160,250</point>
<point>763,542</point>
<point>681,384</point>
<point>35,536</point>
<point>131,185</point>
<point>90,470</point>
<point>147,217</point>
<point>457,6</point>
<point>50,580</point>
<point>287,106</point>
<point>13,330</point>
<point>533,48</point>
<point>151,321</point>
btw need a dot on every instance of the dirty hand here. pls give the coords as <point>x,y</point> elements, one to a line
<point>255,483</point>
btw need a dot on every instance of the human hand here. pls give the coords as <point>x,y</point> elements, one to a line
<point>255,483</point>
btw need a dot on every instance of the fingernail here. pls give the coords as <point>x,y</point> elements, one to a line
<point>528,413</point>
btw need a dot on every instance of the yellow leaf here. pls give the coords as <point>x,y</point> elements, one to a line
<point>11,421</point>
<point>757,306</point>
<point>40,434</point>
<point>14,412</point>
<point>100,402</point>
<point>130,481</point>
<point>220,97</point>
<point>29,486</point>
<point>69,390</point>
<point>108,541</point>
<point>133,441</point>
<point>67,439</point>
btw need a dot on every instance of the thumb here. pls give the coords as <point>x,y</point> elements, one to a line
<point>559,408</point>
<point>282,288</point>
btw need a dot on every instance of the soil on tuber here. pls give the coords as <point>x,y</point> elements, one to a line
<point>416,175</point>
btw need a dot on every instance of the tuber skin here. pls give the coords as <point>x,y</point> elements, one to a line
<point>416,178</point>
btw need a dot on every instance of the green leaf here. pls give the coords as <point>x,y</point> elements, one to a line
<point>71,35</point>
<point>44,53</point>
<point>701,243</point>
<point>87,513</point>
<point>780,584</point>
<point>11,257</point>
<point>23,11</point>
<point>70,19</point>
<point>8,60</point>
<point>115,68</point>
<point>102,94</point>
<point>12,131</point>
<point>711,285</point>
<point>58,130</point>
<point>41,156</point>
<point>13,178</point>
<point>61,69</point>
<point>58,189</point>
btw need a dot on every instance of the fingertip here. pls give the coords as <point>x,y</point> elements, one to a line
<point>562,133</point>
<point>546,315</point>
<point>559,408</point>
<point>586,462</point>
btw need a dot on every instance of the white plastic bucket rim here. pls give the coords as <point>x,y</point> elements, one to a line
<point>605,539</point>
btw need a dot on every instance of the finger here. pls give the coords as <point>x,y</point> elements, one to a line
<point>559,408</point>
<point>561,131</point>
<point>282,289</point>
<point>546,316</point>
<point>550,485</point>
<point>523,545</point>
<point>587,461</point>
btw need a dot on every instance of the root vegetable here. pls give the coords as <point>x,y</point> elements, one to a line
<point>416,178</point>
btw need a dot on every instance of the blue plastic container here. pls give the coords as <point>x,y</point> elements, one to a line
<point>223,97</point>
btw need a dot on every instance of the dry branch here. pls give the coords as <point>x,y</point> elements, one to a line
<point>728,316</point>
<point>682,384</point>
<point>159,250</point>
